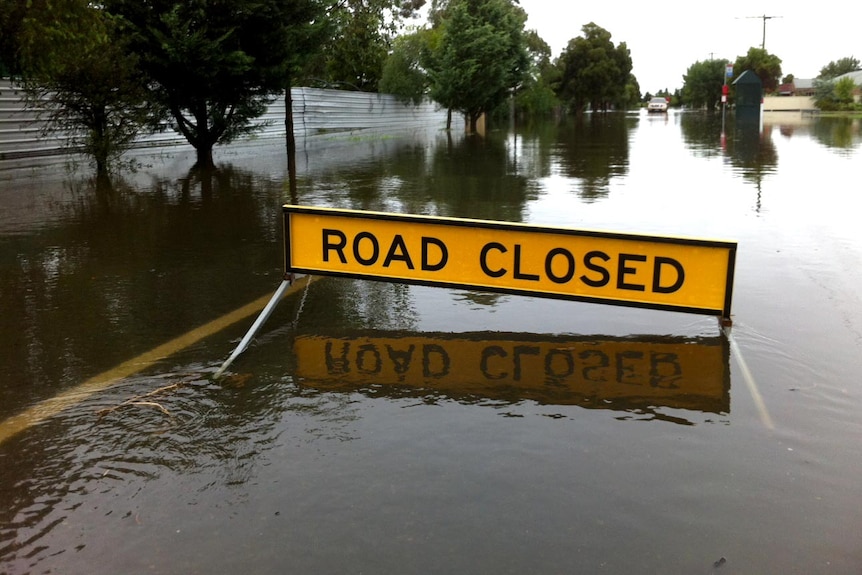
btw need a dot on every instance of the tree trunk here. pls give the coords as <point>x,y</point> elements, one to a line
<point>98,143</point>
<point>205,157</point>
<point>290,142</point>
<point>101,168</point>
<point>474,123</point>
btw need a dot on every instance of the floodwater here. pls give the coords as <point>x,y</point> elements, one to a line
<point>384,428</point>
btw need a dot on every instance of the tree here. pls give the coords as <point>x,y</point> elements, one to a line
<point>702,83</point>
<point>360,38</point>
<point>355,55</point>
<point>11,17</point>
<point>217,67</point>
<point>824,95</point>
<point>838,67</point>
<point>78,69</point>
<point>767,67</point>
<point>844,88</point>
<point>536,97</point>
<point>631,93</point>
<point>404,73</point>
<point>593,71</point>
<point>481,59</point>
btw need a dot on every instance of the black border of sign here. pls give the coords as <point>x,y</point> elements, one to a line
<point>288,209</point>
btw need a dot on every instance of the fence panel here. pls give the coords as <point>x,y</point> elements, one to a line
<point>316,113</point>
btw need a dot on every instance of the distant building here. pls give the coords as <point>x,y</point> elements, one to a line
<point>857,77</point>
<point>798,87</point>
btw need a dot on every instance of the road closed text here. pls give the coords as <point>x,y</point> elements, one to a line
<point>660,272</point>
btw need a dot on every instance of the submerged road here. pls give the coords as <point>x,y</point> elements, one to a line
<point>54,405</point>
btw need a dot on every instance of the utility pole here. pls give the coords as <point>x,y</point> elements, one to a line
<point>765,18</point>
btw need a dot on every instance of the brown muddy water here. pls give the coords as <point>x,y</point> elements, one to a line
<point>383,428</point>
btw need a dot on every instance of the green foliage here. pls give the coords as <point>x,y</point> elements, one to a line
<point>11,17</point>
<point>437,13</point>
<point>767,67</point>
<point>536,98</point>
<point>632,94</point>
<point>359,39</point>
<point>702,84</point>
<point>76,67</point>
<point>481,59</point>
<point>355,56</point>
<point>594,72</point>
<point>824,95</point>
<point>835,95</point>
<point>844,90</point>
<point>403,72</point>
<point>838,67</point>
<point>216,67</point>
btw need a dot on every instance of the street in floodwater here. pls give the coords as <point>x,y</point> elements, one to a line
<point>383,428</point>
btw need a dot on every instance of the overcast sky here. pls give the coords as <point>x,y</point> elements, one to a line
<point>666,37</point>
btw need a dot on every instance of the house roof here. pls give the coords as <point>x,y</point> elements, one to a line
<point>856,76</point>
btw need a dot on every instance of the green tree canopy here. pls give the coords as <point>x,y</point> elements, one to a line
<point>11,17</point>
<point>593,71</point>
<point>835,94</point>
<point>844,88</point>
<point>536,97</point>
<point>216,67</point>
<point>359,39</point>
<point>78,68</point>
<point>767,67</point>
<point>632,92</point>
<point>702,83</point>
<point>404,73</point>
<point>481,58</point>
<point>838,67</point>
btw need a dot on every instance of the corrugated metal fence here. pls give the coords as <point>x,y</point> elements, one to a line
<point>316,113</point>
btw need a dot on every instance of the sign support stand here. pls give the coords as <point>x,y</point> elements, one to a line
<point>264,315</point>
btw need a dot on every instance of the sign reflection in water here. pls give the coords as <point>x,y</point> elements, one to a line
<point>627,374</point>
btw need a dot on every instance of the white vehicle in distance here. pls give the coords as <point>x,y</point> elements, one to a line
<point>657,105</point>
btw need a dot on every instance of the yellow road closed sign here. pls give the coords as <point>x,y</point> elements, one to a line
<point>671,273</point>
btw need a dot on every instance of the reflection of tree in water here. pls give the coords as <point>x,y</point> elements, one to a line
<point>701,132</point>
<point>345,303</point>
<point>752,152</point>
<point>124,269</point>
<point>841,133</point>
<point>477,177</point>
<point>595,149</point>
<point>452,175</point>
<point>536,147</point>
